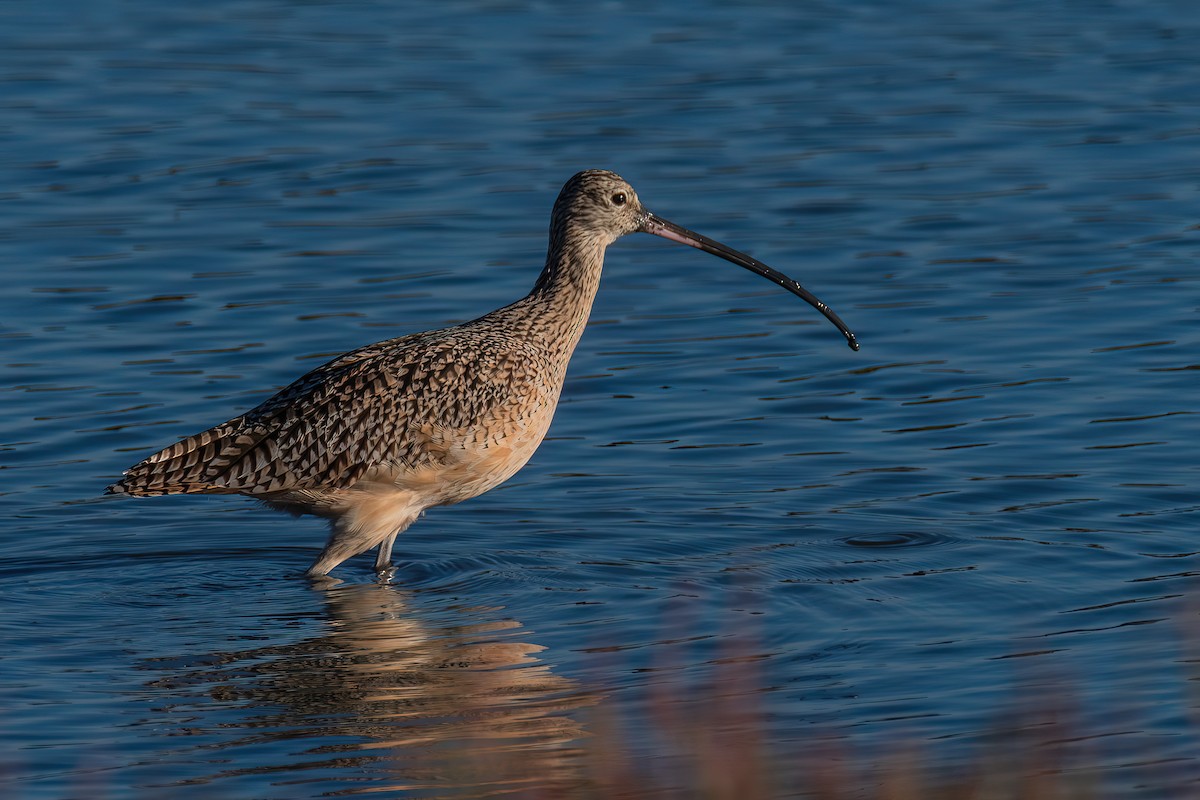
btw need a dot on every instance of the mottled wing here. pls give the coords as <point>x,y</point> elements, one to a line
<point>324,430</point>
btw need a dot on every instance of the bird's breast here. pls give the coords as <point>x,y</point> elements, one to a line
<point>460,463</point>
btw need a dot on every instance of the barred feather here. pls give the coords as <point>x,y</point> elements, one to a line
<point>378,435</point>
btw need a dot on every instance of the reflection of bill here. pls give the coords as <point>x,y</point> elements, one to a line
<point>386,702</point>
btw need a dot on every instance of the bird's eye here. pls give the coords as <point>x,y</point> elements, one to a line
<point>618,199</point>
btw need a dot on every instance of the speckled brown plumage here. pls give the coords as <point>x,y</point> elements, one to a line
<point>376,436</point>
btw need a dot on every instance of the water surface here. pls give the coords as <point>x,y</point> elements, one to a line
<point>991,506</point>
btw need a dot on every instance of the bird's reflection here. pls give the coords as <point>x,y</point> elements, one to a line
<point>389,700</point>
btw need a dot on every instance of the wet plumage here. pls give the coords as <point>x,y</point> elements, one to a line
<point>375,437</point>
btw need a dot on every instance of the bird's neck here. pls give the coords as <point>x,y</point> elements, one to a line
<point>561,300</point>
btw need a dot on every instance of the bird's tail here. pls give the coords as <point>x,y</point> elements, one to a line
<point>197,464</point>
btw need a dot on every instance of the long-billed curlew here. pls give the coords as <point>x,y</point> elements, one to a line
<point>378,435</point>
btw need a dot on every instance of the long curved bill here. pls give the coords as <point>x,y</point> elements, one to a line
<point>676,233</point>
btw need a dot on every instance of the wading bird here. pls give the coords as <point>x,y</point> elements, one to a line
<point>375,437</point>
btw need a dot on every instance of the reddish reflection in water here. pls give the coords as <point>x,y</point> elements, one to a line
<point>394,703</point>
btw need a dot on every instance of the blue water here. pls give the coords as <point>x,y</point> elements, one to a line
<point>991,507</point>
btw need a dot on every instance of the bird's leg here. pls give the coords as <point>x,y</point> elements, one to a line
<point>383,561</point>
<point>348,540</point>
<point>336,551</point>
<point>364,527</point>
